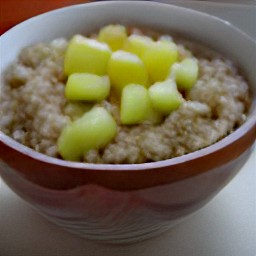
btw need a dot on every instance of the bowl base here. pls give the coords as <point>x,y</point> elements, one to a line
<point>120,238</point>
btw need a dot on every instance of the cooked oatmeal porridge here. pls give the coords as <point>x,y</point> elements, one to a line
<point>34,110</point>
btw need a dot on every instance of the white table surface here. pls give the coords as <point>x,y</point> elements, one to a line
<point>224,227</point>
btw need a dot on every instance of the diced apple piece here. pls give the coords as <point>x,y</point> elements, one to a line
<point>165,97</point>
<point>94,130</point>
<point>76,109</point>
<point>152,115</point>
<point>87,87</point>
<point>137,44</point>
<point>134,104</point>
<point>85,55</point>
<point>185,73</point>
<point>113,35</point>
<point>125,68</point>
<point>158,58</point>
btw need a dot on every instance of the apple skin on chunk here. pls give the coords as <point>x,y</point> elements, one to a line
<point>165,97</point>
<point>87,87</point>
<point>85,55</point>
<point>94,130</point>
<point>114,35</point>
<point>158,59</point>
<point>134,104</point>
<point>125,68</point>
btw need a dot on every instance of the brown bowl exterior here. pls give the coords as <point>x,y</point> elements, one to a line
<point>95,212</point>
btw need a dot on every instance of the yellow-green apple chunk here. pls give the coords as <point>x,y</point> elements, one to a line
<point>158,59</point>
<point>85,55</point>
<point>165,97</point>
<point>125,68</point>
<point>94,130</point>
<point>186,73</point>
<point>134,104</point>
<point>137,44</point>
<point>152,115</point>
<point>114,35</point>
<point>87,87</point>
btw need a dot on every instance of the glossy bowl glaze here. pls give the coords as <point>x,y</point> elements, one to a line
<point>125,203</point>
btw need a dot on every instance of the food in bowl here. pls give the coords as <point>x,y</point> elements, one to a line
<point>121,96</point>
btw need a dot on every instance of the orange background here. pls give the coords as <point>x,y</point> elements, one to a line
<point>15,11</point>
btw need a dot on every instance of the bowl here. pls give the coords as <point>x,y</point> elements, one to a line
<point>127,203</point>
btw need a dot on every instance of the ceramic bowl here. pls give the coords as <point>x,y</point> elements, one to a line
<point>126,203</point>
